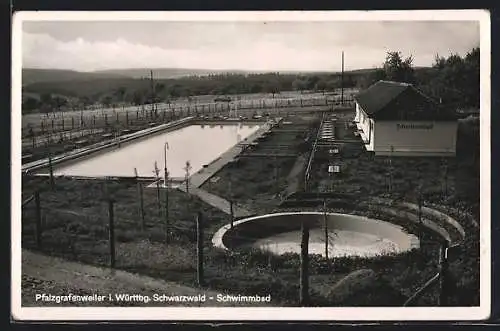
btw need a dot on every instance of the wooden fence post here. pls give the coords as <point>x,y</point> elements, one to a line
<point>199,239</point>
<point>141,201</point>
<point>51,172</point>
<point>111,233</point>
<point>38,226</point>
<point>167,221</point>
<point>445,161</point>
<point>326,229</point>
<point>443,274</point>
<point>187,168</point>
<point>304,266</point>
<point>231,208</point>
<point>158,195</point>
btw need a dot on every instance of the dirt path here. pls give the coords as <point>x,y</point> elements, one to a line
<point>55,276</point>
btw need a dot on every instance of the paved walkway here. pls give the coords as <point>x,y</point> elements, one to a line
<point>218,202</point>
<point>197,179</point>
<point>104,281</point>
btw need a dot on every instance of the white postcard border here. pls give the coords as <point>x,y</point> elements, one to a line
<point>256,314</point>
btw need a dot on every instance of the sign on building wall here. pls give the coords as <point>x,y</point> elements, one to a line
<point>415,126</point>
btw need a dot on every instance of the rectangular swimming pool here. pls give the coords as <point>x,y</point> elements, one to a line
<point>198,144</point>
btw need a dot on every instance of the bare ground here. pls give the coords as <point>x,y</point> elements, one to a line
<point>54,276</point>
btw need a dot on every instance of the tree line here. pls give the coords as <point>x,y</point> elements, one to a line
<point>452,80</point>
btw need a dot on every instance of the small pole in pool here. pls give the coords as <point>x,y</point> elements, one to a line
<point>330,189</point>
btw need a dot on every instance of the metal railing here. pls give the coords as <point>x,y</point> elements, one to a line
<point>313,151</point>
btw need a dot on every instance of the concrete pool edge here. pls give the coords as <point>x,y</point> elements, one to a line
<point>204,174</point>
<point>91,151</point>
<point>426,210</point>
<point>219,238</point>
<point>201,176</point>
<point>79,154</point>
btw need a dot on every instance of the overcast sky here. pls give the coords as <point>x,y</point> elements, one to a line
<point>87,46</point>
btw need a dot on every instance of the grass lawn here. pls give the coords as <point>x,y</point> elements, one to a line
<point>258,182</point>
<point>75,228</point>
<point>367,176</point>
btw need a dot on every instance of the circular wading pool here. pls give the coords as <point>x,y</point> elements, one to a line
<point>348,235</point>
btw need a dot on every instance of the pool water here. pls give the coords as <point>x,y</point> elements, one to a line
<point>340,243</point>
<point>198,144</point>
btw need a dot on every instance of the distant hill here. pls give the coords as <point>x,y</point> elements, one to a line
<point>98,84</point>
<point>31,76</point>
<point>172,73</point>
<point>164,73</point>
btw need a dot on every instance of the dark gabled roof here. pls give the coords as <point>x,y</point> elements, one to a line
<point>379,95</point>
<point>386,100</point>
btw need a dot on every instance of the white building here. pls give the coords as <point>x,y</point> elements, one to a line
<point>397,119</point>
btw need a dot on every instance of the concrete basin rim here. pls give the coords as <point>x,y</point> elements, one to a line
<point>217,239</point>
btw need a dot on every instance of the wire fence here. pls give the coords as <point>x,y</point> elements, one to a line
<point>56,122</point>
<point>137,224</point>
<point>129,228</point>
<point>66,131</point>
